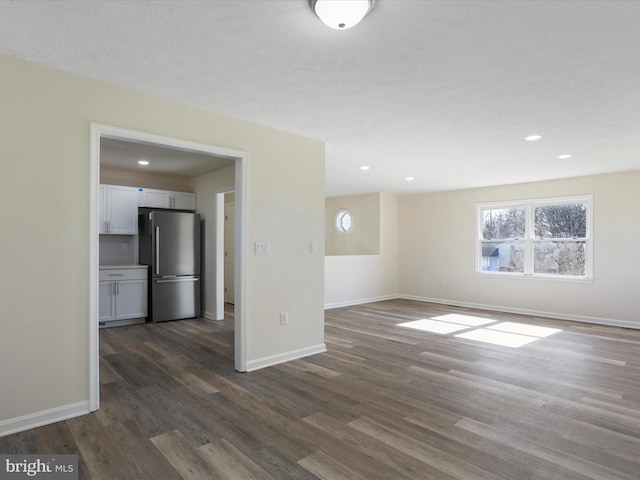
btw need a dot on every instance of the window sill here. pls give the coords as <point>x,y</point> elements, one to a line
<point>548,278</point>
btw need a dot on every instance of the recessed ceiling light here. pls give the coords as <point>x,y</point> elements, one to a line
<point>143,162</point>
<point>365,167</point>
<point>533,138</point>
<point>566,155</point>
<point>409,179</point>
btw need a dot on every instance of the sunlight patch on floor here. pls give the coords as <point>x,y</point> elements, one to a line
<point>507,334</point>
<point>434,326</point>
<point>496,337</point>
<point>464,319</point>
<point>525,329</point>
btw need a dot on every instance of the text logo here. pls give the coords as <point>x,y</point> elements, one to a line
<point>49,467</point>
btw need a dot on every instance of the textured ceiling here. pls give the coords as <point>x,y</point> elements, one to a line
<point>443,91</point>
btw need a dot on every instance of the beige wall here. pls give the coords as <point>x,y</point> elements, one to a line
<point>351,279</point>
<point>45,120</point>
<point>364,236</point>
<point>206,188</point>
<point>130,178</point>
<point>437,251</point>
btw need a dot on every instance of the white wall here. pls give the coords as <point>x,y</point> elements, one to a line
<point>353,279</point>
<point>437,252</point>
<point>44,293</point>
<point>206,188</point>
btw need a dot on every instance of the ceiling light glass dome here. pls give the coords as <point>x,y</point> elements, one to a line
<point>341,14</point>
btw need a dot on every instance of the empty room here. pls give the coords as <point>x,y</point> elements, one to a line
<point>320,239</point>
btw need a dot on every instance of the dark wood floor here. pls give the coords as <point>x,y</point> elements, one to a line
<point>385,402</point>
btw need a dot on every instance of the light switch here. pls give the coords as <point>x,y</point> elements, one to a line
<point>263,248</point>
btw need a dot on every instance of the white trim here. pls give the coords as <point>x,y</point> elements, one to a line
<point>208,315</point>
<point>240,277</point>
<point>285,357</point>
<point>219,247</point>
<point>524,311</point>
<point>44,417</point>
<point>94,216</point>
<point>241,178</point>
<point>536,276</point>
<point>360,301</point>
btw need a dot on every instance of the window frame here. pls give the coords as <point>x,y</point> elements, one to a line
<point>529,238</point>
<point>338,220</point>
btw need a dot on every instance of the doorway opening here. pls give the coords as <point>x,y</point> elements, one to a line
<point>100,132</point>
<point>226,234</point>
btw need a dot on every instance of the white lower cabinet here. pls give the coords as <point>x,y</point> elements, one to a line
<point>122,296</point>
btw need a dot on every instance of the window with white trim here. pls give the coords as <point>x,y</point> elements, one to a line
<point>547,238</point>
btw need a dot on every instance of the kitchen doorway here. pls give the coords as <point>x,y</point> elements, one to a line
<point>98,132</point>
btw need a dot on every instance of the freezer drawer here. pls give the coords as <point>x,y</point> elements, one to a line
<point>175,298</point>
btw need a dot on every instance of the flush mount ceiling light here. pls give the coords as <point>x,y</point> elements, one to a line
<point>341,14</point>
<point>143,162</point>
<point>564,156</point>
<point>365,167</point>
<point>533,138</point>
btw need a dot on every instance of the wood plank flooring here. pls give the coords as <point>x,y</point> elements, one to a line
<point>384,402</point>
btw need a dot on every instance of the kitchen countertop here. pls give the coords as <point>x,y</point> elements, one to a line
<point>120,267</point>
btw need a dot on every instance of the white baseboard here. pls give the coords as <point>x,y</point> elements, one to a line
<point>208,315</point>
<point>523,311</point>
<point>44,417</point>
<point>349,303</point>
<point>285,357</point>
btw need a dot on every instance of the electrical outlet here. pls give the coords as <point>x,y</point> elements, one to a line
<point>313,248</point>
<point>284,318</point>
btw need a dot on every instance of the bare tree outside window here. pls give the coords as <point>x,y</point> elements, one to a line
<point>502,232</point>
<point>560,223</point>
<point>547,238</point>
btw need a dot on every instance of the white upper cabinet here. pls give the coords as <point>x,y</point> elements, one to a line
<point>166,199</point>
<point>118,210</point>
<point>154,198</point>
<point>184,201</point>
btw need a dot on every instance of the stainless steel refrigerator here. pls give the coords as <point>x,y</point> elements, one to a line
<point>169,242</point>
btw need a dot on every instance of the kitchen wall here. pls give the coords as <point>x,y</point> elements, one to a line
<point>207,187</point>
<point>135,178</point>
<point>46,116</point>
<point>118,250</point>
<point>437,252</point>
<point>353,279</point>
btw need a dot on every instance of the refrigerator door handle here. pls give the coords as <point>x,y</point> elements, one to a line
<point>172,280</point>
<point>157,250</point>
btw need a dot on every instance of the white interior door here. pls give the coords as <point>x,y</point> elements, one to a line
<point>229,226</point>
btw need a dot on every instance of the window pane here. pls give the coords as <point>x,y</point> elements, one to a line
<point>559,258</point>
<point>561,221</point>
<point>503,223</point>
<point>503,257</point>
